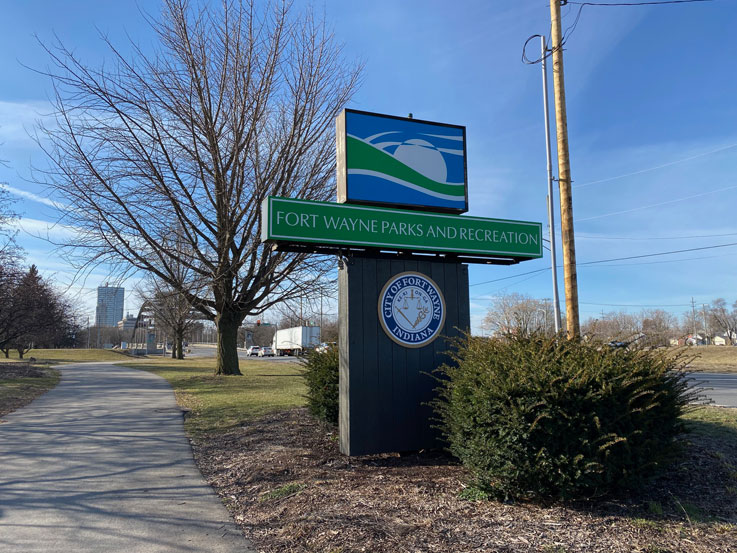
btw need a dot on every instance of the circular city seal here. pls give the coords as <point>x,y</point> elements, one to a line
<point>411,309</point>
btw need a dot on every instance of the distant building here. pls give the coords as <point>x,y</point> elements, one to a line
<point>695,340</point>
<point>127,323</point>
<point>109,305</point>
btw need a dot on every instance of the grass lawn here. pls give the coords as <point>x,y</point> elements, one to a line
<point>55,356</point>
<point>219,403</point>
<point>714,422</point>
<point>718,359</point>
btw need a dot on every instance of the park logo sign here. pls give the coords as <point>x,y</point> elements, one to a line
<point>403,240</point>
<point>401,162</point>
<point>401,187</point>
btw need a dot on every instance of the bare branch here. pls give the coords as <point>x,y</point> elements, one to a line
<point>236,104</point>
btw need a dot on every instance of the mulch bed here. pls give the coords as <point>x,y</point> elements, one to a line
<point>289,489</point>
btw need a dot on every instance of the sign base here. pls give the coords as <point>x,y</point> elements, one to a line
<point>385,386</point>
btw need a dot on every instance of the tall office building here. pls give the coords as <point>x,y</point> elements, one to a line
<point>109,305</point>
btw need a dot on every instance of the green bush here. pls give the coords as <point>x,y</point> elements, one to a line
<point>321,375</point>
<point>552,418</point>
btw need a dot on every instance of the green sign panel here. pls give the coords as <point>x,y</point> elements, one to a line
<point>327,223</point>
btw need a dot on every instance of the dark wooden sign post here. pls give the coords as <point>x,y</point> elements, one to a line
<point>403,279</point>
<point>384,385</point>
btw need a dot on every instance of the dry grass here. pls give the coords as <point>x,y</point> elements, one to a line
<point>716,359</point>
<point>219,403</point>
<point>21,383</point>
<point>55,356</point>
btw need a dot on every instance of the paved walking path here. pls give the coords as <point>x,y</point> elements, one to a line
<point>101,464</point>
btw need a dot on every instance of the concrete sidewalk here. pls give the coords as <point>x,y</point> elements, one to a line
<point>101,464</point>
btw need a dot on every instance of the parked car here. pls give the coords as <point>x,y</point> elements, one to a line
<point>253,350</point>
<point>617,344</point>
<point>265,351</point>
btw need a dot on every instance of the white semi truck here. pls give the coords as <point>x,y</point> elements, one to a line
<point>296,340</point>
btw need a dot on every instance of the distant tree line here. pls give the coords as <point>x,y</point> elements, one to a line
<point>519,314</point>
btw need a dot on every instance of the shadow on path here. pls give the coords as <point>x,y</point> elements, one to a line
<point>101,463</point>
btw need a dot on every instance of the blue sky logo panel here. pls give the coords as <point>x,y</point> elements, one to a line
<point>395,161</point>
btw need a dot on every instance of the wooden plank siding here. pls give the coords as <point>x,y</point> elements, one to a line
<point>385,387</point>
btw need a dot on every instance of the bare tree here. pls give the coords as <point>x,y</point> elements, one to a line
<point>329,329</point>
<point>171,309</point>
<point>721,317</point>
<point>691,322</point>
<point>614,325</point>
<point>658,326</point>
<point>235,105</point>
<point>651,327</point>
<point>519,314</point>
<point>10,252</point>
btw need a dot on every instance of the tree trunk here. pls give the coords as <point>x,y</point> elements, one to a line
<point>20,353</point>
<point>178,339</point>
<point>7,353</point>
<point>174,349</point>
<point>227,352</point>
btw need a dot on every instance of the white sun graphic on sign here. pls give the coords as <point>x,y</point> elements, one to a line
<point>423,157</point>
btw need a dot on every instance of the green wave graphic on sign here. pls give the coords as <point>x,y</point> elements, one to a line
<point>364,156</point>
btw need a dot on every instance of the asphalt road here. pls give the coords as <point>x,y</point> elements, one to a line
<point>207,350</point>
<point>101,464</point>
<point>720,388</point>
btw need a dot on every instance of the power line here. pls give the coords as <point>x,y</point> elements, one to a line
<point>657,262</point>
<point>659,253</point>
<point>612,259</point>
<point>581,5</point>
<point>654,3</point>
<point>569,31</point>
<point>662,166</point>
<point>590,237</point>
<point>614,304</point>
<point>638,304</point>
<point>656,205</point>
<point>513,276</point>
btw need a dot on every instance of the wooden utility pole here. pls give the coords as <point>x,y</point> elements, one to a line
<point>573,326</point>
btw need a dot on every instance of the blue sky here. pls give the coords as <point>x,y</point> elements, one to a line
<point>651,112</point>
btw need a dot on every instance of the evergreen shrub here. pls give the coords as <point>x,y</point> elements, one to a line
<point>541,418</point>
<point>321,376</point>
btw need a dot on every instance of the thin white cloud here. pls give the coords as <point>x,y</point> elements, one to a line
<point>33,197</point>
<point>17,120</point>
<point>44,229</point>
